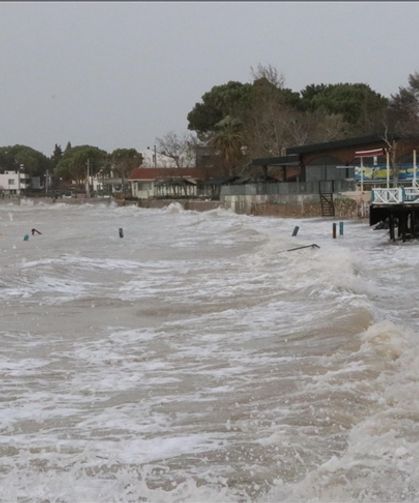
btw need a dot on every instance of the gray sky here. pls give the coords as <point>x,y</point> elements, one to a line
<point>114,74</point>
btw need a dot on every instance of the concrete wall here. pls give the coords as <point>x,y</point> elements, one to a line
<point>298,205</point>
<point>187,204</point>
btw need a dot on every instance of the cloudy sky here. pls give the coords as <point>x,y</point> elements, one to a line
<point>115,74</point>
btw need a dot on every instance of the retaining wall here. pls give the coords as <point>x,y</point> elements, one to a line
<point>350,205</point>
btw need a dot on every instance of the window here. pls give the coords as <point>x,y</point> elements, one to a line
<point>11,181</point>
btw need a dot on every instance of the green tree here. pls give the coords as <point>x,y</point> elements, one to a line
<point>227,140</point>
<point>221,101</point>
<point>56,155</point>
<point>34,162</point>
<point>123,161</point>
<point>76,162</point>
<point>403,109</point>
<point>360,107</point>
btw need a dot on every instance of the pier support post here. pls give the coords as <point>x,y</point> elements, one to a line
<point>391,226</point>
<point>334,231</point>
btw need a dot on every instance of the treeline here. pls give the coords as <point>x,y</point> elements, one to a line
<point>241,121</point>
<point>74,163</point>
<point>263,118</point>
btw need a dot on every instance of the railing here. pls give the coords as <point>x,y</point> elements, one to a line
<point>387,196</point>
<point>398,195</point>
<point>411,194</point>
<point>285,188</point>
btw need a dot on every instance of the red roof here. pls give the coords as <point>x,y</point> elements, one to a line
<point>161,173</point>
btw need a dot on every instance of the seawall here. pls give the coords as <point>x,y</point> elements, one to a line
<point>350,205</point>
<point>347,205</point>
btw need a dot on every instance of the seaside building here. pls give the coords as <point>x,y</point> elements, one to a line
<point>14,182</point>
<point>316,179</point>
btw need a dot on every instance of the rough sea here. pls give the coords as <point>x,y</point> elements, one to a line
<point>196,360</point>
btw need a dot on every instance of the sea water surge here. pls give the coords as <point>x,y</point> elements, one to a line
<point>193,360</point>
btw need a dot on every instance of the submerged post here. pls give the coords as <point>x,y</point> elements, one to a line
<point>121,232</point>
<point>340,228</point>
<point>334,230</point>
<point>295,231</point>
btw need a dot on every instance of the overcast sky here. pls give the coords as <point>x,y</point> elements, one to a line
<point>114,74</point>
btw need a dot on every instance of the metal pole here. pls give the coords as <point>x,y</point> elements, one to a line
<point>362,175</point>
<point>414,169</point>
<point>388,168</point>
<point>155,156</point>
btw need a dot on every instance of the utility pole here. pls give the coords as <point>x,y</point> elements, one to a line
<point>87,178</point>
<point>154,155</point>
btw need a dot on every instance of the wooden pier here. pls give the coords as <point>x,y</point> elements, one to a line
<point>397,208</point>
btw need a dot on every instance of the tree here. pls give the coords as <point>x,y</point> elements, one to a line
<point>269,117</point>
<point>403,108</point>
<point>124,160</point>
<point>221,101</point>
<point>227,140</point>
<point>178,148</point>
<point>76,161</point>
<point>268,73</point>
<point>360,107</point>
<point>56,155</point>
<point>34,162</point>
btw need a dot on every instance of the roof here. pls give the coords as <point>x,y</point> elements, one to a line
<point>177,181</point>
<point>150,174</point>
<point>292,153</point>
<point>332,145</point>
<point>285,160</point>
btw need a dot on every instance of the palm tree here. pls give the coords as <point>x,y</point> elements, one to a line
<point>227,139</point>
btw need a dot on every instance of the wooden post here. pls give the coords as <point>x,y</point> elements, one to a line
<point>391,227</point>
<point>334,230</point>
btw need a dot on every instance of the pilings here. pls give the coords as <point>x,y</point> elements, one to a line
<point>402,220</point>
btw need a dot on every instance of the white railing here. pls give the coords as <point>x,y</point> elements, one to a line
<point>411,194</point>
<point>396,195</point>
<point>387,196</point>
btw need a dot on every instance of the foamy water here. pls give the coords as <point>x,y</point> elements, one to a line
<point>195,360</point>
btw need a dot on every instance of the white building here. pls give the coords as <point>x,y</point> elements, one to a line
<point>13,182</point>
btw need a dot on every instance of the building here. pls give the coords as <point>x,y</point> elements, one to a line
<point>147,183</point>
<point>14,182</point>
<point>310,179</point>
<point>340,160</point>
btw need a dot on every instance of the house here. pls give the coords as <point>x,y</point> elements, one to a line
<point>14,182</point>
<point>147,183</point>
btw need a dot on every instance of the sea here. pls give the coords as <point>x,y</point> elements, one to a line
<point>171,356</point>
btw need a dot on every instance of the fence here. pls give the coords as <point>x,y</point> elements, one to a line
<point>286,188</point>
